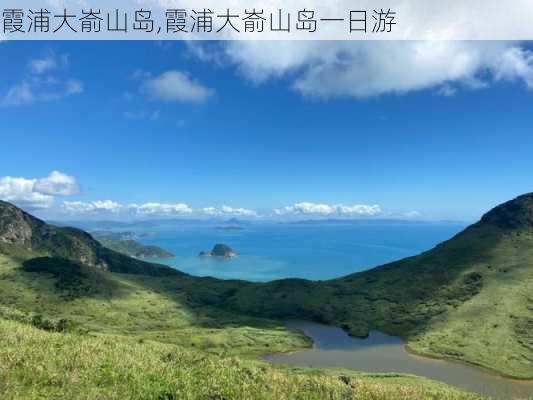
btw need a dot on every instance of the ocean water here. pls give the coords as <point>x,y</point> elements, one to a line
<point>274,251</point>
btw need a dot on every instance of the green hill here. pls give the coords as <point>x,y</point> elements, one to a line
<point>21,233</point>
<point>469,298</point>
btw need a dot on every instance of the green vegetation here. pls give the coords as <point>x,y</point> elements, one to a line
<point>35,364</point>
<point>470,299</point>
<point>139,306</point>
<point>135,249</point>
<point>22,235</point>
<point>139,337</point>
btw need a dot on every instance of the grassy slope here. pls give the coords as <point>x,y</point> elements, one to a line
<point>461,300</point>
<point>494,328</point>
<point>469,299</point>
<point>35,364</point>
<point>143,307</point>
<point>143,338</point>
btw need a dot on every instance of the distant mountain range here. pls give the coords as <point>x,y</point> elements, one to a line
<point>373,221</point>
<point>234,223</point>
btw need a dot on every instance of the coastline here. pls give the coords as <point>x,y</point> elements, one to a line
<point>481,367</point>
<point>410,351</point>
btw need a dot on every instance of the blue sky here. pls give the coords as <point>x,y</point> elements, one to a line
<point>190,128</point>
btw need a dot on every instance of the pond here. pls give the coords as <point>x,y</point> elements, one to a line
<point>379,352</point>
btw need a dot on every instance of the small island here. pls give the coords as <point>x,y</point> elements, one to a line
<point>219,250</point>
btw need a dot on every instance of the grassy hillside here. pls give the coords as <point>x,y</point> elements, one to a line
<point>139,306</point>
<point>469,298</point>
<point>22,234</point>
<point>93,334</point>
<point>35,364</point>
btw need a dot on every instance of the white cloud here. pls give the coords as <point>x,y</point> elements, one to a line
<point>160,209</point>
<point>37,193</point>
<point>515,64</point>
<point>57,184</point>
<point>44,82</point>
<point>152,209</point>
<point>307,208</point>
<point>42,65</point>
<point>358,209</point>
<point>175,86</point>
<point>447,90</point>
<point>363,69</point>
<point>229,211</point>
<point>412,214</point>
<point>24,191</point>
<point>21,192</point>
<point>210,211</point>
<point>18,95</point>
<point>80,207</point>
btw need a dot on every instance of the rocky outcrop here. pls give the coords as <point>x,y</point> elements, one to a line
<point>20,230</point>
<point>219,250</point>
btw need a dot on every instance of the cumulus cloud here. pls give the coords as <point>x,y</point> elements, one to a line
<point>45,81</point>
<point>21,192</point>
<point>160,209</point>
<point>515,63</point>
<point>152,209</point>
<point>175,86</point>
<point>229,211</point>
<point>358,209</point>
<point>80,207</point>
<point>37,193</point>
<point>307,208</point>
<point>57,184</point>
<point>362,69</point>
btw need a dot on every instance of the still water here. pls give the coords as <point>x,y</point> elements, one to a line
<point>383,353</point>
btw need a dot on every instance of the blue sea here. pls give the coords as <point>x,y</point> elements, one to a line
<point>315,251</point>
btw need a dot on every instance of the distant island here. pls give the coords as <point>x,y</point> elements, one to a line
<point>219,250</point>
<point>229,228</point>
<point>122,235</point>
<point>126,243</point>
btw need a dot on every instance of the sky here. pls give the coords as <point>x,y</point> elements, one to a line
<point>127,130</point>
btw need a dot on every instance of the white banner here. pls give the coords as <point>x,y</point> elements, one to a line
<point>266,20</point>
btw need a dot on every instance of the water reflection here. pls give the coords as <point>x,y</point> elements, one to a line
<point>384,353</point>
